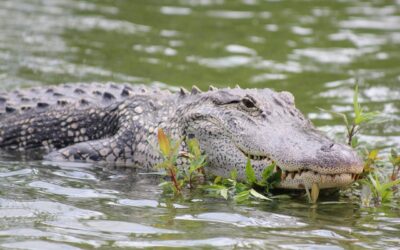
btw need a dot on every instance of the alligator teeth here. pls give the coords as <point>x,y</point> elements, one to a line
<point>258,157</point>
<point>323,177</point>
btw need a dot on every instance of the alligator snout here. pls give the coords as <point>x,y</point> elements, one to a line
<point>311,157</point>
<point>327,147</point>
<point>339,158</point>
<point>332,165</point>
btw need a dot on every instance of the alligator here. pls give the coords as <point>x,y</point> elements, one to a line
<point>118,124</point>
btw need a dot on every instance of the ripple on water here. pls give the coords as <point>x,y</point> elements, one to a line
<point>214,242</point>
<point>240,49</point>
<point>147,203</point>
<point>52,236</point>
<point>90,23</point>
<point>318,234</point>
<point>222,62</point>
<point>116,230</point>
<point>46,208</point>
<point>80,175</point>
<point>154,49</point>
<point>59,66</point>
<point>289,66</point>
<point>72,192</point>
<point>173,10</point>
<point>360,40</point>
<point>301,30</point>
<point>229,14</point>
<point>267,77</point>
<point>267,220</point>
<point>312,246</point>
<point>377,23</point>
<point>332,55</point>
<point>25,171</point>
<point>38,245</point>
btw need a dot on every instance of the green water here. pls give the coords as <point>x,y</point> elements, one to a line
<point>315,49</point>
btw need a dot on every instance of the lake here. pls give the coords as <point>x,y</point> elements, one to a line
<point>317,50</point>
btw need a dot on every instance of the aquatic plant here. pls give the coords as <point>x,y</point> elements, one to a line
<point>231,188</point>
<point>189,176</point>
<point>376,186</point>
<point>192,176</point>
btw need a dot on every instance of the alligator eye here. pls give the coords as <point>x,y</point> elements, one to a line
<point>248,103</point>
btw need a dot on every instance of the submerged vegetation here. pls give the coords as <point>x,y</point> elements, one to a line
<point>252,187</point>
<point>375,185</point>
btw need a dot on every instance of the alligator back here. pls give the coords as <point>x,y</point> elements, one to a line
<point>77,96</point>
<point>54,117</point>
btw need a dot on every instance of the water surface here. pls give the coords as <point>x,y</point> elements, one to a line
<point>317,50</point>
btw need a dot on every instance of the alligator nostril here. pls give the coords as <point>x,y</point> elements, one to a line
<point>327,148</point>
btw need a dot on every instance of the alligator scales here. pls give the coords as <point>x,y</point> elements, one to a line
<point>119,124</point>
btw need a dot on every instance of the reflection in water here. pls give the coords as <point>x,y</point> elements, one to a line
<point>317,50</point>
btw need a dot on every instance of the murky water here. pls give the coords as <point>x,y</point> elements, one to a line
<point>314,49</point>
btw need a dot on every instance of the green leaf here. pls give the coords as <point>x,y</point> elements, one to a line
<point>365,117</point>
<point>394,157</point>
<point>373,155</point>
<point>164,143</point>
<point>242,196</point>
<point>194,147</point>
<point>240,187</point>
<point>213,187</point>
<point>199,161</point>
<point>274,178</point>
<point>164,183</point>
<point>174,151</point>
<point>354,142</point>
<point>224,193</point>
<point>393,153</point>
<point>267,172</point>
<point>163,165</point>
<point>391,184</point>
<point>234,174</point>
<point>342,115</point>
<point>217,179</point>
<point>357,108</point>
<point>250,174</point>
<point>359,115</point>
<point>167,187</point>
<point>257,195</point>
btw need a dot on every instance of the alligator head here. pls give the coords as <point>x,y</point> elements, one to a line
<point>234,124</point>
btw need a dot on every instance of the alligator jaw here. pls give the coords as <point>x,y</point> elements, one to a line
<point>254,157</point>
<point>305,178</point>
